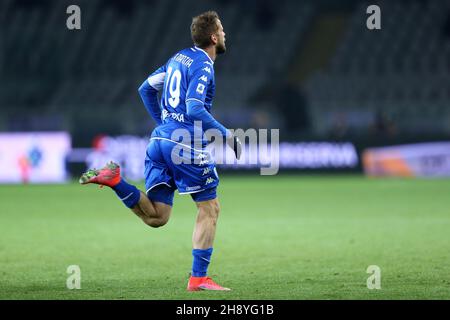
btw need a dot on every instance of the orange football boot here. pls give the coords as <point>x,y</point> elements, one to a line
<point>107,176</point>
<point>204,283</point>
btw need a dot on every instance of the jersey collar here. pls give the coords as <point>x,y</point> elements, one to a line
<point>197,48</point>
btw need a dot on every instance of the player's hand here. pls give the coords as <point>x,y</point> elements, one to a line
<point>236,145</point>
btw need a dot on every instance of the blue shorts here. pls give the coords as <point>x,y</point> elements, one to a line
<point>170,165</point>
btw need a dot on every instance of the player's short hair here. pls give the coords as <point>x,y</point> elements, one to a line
<point>202,27</point>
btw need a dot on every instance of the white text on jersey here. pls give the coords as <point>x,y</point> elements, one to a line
<point>183,59</point>
<point>207,69</point>
<point>176,116</point>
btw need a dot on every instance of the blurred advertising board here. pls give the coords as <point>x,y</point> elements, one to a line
<point>413,160</point>
<point>129,151</point>
<point>34,157</point>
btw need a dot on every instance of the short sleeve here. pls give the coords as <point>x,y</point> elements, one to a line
<point>156,79</point>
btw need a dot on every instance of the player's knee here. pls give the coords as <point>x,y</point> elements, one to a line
<point>156,222</point>
<point>159,217</point>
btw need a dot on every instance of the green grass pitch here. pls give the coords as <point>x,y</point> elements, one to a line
<point>280,237</point>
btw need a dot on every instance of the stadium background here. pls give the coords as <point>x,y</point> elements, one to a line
<point>311,69</point>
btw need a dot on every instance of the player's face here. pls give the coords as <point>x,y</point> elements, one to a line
<point>220,45</point>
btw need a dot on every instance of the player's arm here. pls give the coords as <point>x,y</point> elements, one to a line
<point>149,93</point>
<point>195,108</point>
<point>199,82</point>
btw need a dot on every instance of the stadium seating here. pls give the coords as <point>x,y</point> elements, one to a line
<point>401,71</point>
<point>101,66</point>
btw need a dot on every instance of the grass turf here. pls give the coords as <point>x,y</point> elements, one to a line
<point>282,237</point>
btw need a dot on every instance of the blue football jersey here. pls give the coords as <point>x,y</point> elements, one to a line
<point>188,75</point>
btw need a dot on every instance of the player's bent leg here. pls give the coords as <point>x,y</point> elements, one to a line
<point>156,206</point>
<point>153,214</point>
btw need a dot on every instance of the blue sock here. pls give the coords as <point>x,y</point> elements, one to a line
<point>128,193</point>
<point>201,261</point>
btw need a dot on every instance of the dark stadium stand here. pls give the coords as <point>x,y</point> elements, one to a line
<point>395,78</point>
<point>401,70</point>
